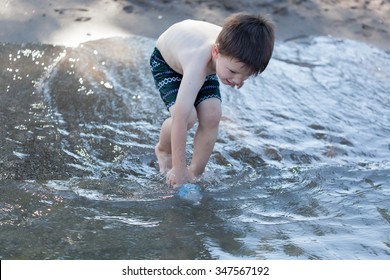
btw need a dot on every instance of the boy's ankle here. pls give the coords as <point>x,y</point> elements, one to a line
<point>194,175</point>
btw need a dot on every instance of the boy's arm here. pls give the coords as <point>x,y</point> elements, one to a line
<point>191,83</point>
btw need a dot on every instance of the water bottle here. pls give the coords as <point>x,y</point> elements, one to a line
<point>190,193</point>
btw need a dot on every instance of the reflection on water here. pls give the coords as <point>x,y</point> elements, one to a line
<point>300,169</point>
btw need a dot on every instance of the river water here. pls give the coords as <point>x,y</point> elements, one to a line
<point>300,170</point>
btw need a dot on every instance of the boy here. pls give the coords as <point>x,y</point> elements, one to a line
<point>185,64</point>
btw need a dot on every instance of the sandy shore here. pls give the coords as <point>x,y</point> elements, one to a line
<point>73,21</point>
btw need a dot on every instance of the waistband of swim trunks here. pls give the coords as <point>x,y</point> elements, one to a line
<point>157,53</point>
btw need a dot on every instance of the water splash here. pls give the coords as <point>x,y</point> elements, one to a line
<point>300,169</point>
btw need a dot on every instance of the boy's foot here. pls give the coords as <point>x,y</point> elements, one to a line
<point>192,175</point>
<point>164,160</point>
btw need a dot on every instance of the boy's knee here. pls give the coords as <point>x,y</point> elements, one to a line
<point>211,117</point>
<point>192,119</point>
<point>215,117</point>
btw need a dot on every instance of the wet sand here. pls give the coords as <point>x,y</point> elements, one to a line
<point>74,21</point>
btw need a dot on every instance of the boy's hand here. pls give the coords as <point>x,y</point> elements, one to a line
<point>177,177</point>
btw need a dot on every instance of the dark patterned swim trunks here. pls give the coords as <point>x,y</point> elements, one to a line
<point>168,82</point>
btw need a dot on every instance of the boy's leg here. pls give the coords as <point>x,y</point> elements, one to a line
<point>209,115</point>
<point>163,148</point>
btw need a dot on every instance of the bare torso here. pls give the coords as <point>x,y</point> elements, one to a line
<point>189,43</point>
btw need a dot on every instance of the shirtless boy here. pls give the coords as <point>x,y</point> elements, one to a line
<point>185,64</point>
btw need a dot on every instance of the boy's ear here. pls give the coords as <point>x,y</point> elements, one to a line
<point>215,50</point>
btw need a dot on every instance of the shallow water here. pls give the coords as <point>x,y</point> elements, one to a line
<point>300,170</point>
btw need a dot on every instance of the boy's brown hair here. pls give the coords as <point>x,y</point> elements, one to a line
<point>248,39</point>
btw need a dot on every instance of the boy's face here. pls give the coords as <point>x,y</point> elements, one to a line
<point>231,71</point>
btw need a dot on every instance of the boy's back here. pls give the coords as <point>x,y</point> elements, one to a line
<point>188,43</point>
